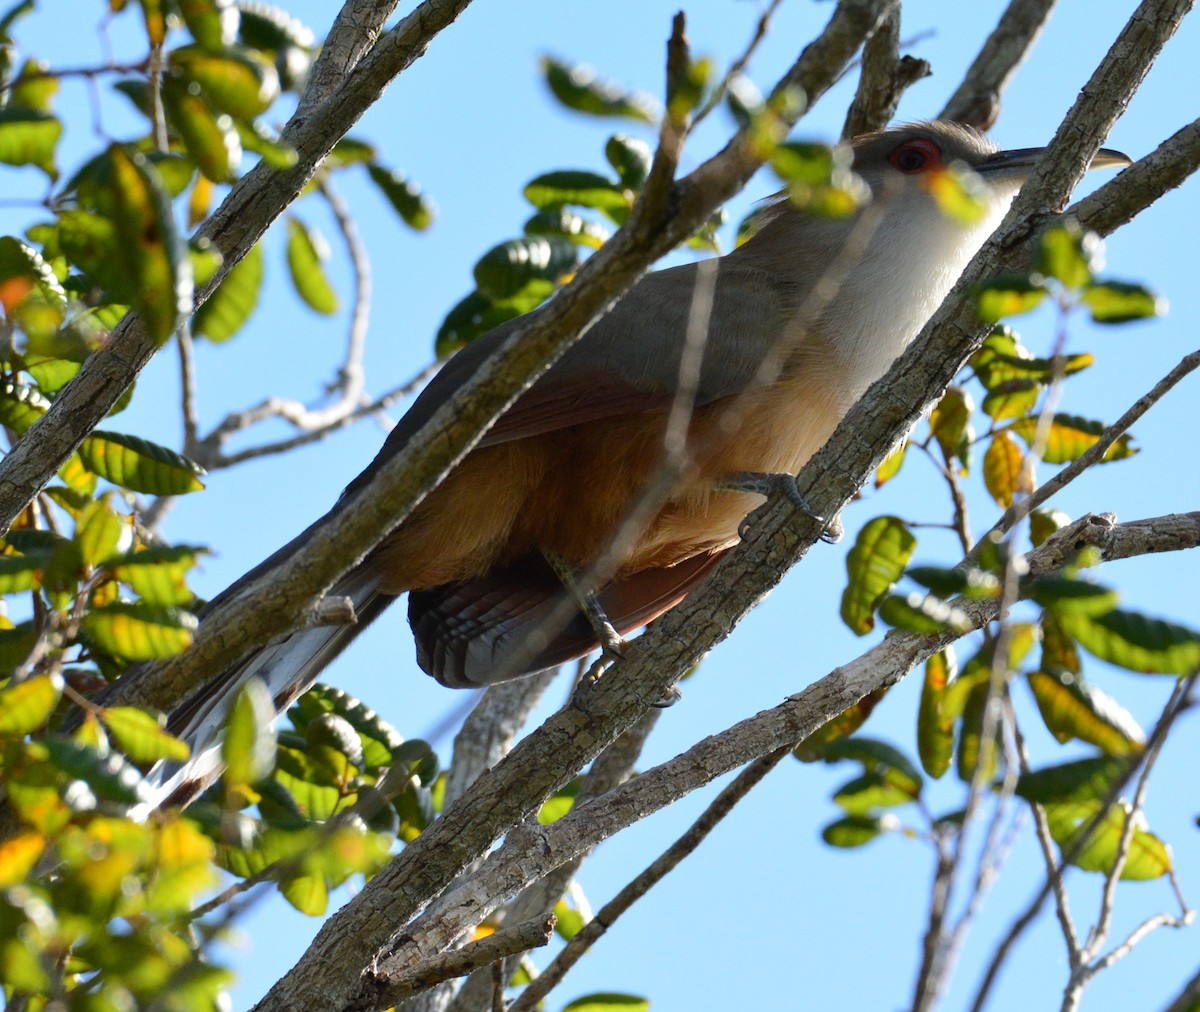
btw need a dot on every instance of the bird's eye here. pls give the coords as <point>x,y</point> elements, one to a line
<point>915,155</point>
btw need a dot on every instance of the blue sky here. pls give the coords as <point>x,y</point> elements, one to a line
<point>764,915</point>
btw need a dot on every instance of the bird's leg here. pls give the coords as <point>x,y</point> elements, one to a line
<point>767,483</point>
<point>612,643</point>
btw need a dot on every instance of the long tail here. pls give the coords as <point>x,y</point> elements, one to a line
<point>288,667</point>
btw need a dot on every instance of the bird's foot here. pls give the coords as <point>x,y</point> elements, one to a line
<point>767,483</point>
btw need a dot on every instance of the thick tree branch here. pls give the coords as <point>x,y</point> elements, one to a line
<point>884,78</point>
<point>459,962</point>
<point>977,100</point>
<point>1121,199</point>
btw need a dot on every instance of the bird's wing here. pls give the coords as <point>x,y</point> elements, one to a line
<point>629,361</point>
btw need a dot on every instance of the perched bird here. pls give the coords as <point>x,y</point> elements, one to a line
<point>800,320</point>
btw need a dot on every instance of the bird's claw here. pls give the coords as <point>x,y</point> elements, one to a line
<point>767,483</point>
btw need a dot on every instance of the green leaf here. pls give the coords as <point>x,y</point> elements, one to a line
<point>935,730</point>
<point>248,748</point>
<point>1045,521</point>
<point>352,151</point>
<point>976,584</point>
<point>98,531</point>
<point>158,575</point>
<point>15,645</point>
<point>880,553</point>
<point>139,465</point>
<point>974,751</point>
<point>1149,858</point>
<point>20,406</point>
<point>607,1001</point>
<point>266,26</point>
<point>568,921</point>
<point>518,265</point>
<point>1134,641</point>
<point>1078,781</point>
<point>853,831</point>
<point>875,756</point>
<point>560,221</point>
<point>109,774</point>
<point>1011,399</point>
<point>1063,594</point>
<point>381,744</point>
<point>234,299</point>
<point>1070,437</point>
<point>207,21</point>
<point>34,88</point>
<point>126,238</point>
<point>19,573</point>
<point>960,196</point>
<point>579,188</point>
<point>1117,302</point>
<point>881,789</point>
<point>890,467</point>
<point>558,804</point>
<point>307,893</point>
<point>260,139</point>
<point>139,632</point>
<point>1071,708</point>
<point>1008,295</point>
<point>1069,254</point>
<point>1059,653</point>
<point>155,255</point>
<point>307,252</point>
<point>576,87</point>
<point>25,273</point>
<point>925,614</point>
<point>631,157</point>
<point>25,706</point>
<point>142,736</point>
<point>236,80</point>
<point>210,140</point>
<point>1004,469</point>
<point>473,317</point>
<point>28,137</point>
<point>688,88</point>
<point>332,740</point>
<point>414,208</point>
<point>950,423</point>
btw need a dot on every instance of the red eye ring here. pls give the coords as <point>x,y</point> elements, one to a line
<point>915,155</point>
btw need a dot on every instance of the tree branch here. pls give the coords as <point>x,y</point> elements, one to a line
<point>885,77</point>
<point>457,963</point>
<point>530,851</point>
<point>977,100</point>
